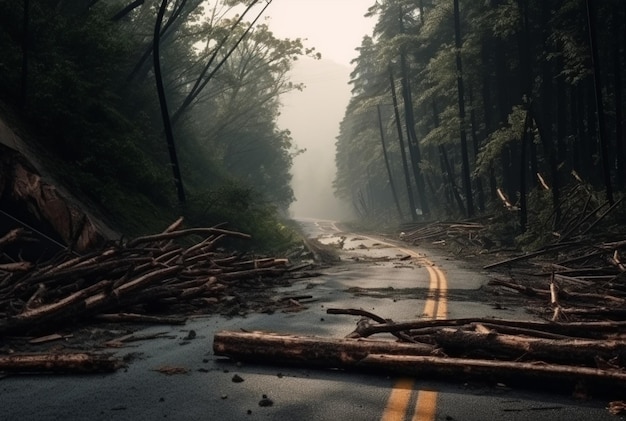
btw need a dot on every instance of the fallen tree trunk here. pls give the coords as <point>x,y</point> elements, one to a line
<point>459,368</point>
<point>59,363</point>
<point>310,350</point>
<point>573,329</point>
<point>140,318</point>
<point>568,351</point>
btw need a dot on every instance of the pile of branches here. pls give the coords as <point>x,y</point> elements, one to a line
<point>573,280</point>
<point>176,271</point>
<point>465,232</point>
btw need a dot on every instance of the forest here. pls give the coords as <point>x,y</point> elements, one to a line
<point>153,110</point>
<point>509,108</point>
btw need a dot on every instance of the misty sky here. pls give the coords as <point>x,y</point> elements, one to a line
<point>335,28</point>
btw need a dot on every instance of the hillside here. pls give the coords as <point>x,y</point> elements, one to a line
<point>31,197</point>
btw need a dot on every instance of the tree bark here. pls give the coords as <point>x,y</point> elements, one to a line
<point>604,142</point>
<point>467,185</point>
<point>309,350</point>
<point>167,124</point>
<point>387,165</point>
<point>405,165</point>
<point>461,368</point>
<point>59,363</point>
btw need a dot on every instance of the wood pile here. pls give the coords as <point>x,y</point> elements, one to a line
<point>177,271</point>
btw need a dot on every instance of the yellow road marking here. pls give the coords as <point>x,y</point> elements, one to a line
<point>398,400</point>
<point>425,406</point>
<point>436,307</point>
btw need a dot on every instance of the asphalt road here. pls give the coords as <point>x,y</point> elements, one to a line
<point>374,276</point>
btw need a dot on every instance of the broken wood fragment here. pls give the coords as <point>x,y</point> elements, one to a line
<point>59,363</point>
<point>140,318</point>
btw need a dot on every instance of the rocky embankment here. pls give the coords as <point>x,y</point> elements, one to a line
<point>30,199</point>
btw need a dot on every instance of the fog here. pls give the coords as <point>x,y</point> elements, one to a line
<point>335,28</point>
<point>313,116</point>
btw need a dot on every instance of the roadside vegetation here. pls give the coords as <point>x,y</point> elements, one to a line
<point>509,111</point>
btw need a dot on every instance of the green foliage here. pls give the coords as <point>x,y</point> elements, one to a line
<point>500,139</point>
<point>91,102</point>
<point>239,207</point>
<point>540,230</point>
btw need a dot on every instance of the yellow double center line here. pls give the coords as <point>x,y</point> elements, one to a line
<point>436,307</point>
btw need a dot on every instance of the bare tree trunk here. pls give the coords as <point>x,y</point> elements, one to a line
<point>447,167</point>
<point>523,214</point>
<point>405,165</point>
<point>476,147</point>
<point>409,119</point>
<point>604,146</point>
<point>25,48</point>
<point>389,173</point>
<point>126,10</point>
<point>167,125</point>
<point>467,184</point>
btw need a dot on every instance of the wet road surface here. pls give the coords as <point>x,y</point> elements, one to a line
<point>398,283</point>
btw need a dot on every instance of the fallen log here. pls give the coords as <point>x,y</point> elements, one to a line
<point>309,350</point>
<point>530,255</point>
<point>567,351</point>
<point>140,318</point>
<point>611,380</point>
<point>59,363</point>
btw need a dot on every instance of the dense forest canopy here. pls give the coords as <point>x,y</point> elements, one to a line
<point>79,77</point>
<point>463,108</point>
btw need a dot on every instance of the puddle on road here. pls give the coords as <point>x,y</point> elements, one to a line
<point>420,294</point>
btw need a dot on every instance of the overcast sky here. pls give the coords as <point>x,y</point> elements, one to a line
<point>335,28</point>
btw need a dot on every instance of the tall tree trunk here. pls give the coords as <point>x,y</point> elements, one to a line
<point>169,135</point>
<point>414,149</point>
<point>405,166</point>
<point>476,145</point>
<point>544,117</point>
<point>25,48</point>
<point>126,10</point>
<point>523,40</point>
<point>575,127</point>
<point>503,107</point>
<point>523,165</point>
<point>604,145</point>
<point>389,172</point>
<point>166,30</point>
<point>467,184</point>
<point>488,110</point>
<point>409,117</point>
<point>618,54</point>
<point>447,168</point>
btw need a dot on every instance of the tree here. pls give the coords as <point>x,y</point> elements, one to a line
<point>167,125</point>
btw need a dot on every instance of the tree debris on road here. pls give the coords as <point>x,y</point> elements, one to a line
<point>161,278</point>
<point>179,268</point>
<point>592,354</point>
<point>69,363</point>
